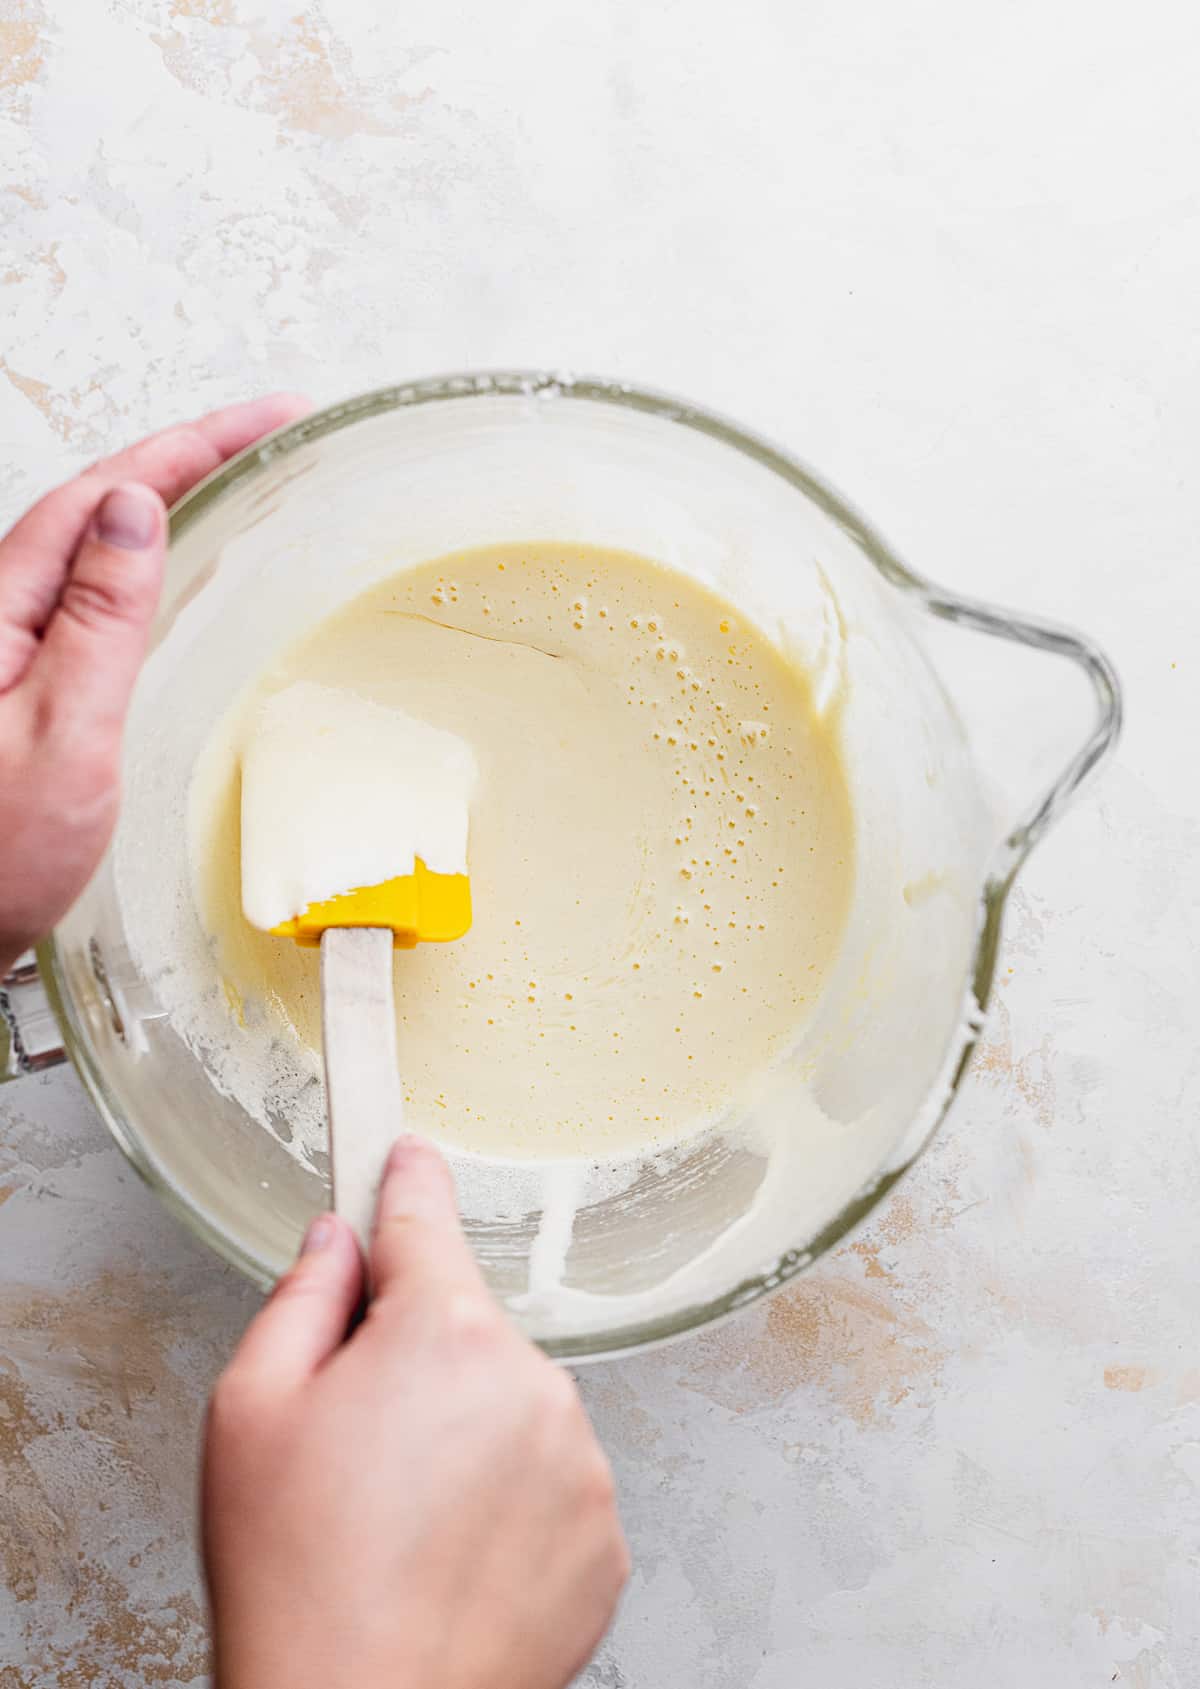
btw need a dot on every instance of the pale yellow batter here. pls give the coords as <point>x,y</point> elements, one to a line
<point>660,852</point>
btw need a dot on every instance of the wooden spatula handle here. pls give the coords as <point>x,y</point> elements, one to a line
<point>362,1075</point>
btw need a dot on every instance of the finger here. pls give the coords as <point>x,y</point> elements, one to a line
<point>176,459</point>
<point>234,427</point>
<point>418,1252</point>
<point>35,553</point>
<point>310,1308</point>
<point>95,641</point>
<point>18,648</point>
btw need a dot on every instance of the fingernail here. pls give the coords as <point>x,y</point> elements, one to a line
<point>403,1148</point>
<point>318,1235</point>
<point>128,518</point>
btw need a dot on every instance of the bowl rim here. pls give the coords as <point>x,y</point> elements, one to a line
<point>548,386</point>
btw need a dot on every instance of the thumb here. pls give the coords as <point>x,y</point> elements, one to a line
<point>309,1310</point>
<point>418,1251</point>
<point>96,638</point>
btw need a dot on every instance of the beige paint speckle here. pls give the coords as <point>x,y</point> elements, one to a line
<point>302,74</point>
<point>59,410</point>
<point>211,11</point>
<point>21,57</point>
<point>1031,1075</point>
<point>107,1348</point>
<point>39,393</point>
<point>858,1348</point>
<point>1131,1378</point>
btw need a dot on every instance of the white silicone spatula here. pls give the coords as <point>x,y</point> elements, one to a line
<point>354,836</point>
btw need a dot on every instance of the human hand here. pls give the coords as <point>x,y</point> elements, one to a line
<point>79,581</point>
<point>420,1506</point>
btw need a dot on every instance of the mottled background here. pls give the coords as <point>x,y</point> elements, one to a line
<point>952,255</point>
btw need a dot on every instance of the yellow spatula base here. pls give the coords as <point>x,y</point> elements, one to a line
<point>418,907</point>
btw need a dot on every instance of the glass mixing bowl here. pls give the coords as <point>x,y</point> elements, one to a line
<point>964,730</point>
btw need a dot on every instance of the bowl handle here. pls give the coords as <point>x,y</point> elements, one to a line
<point>30,1041</point>
<point>1055,641</point>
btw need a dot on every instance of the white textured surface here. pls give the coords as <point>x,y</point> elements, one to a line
<point>952,257</point>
